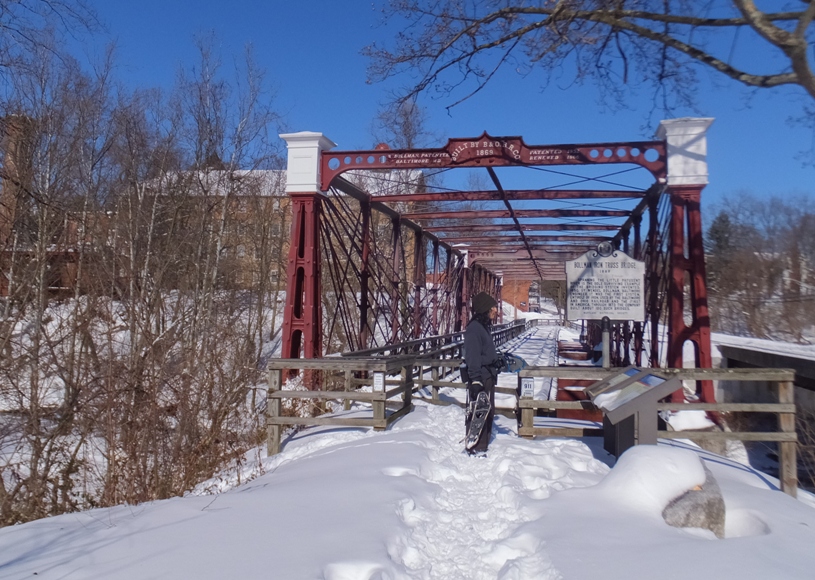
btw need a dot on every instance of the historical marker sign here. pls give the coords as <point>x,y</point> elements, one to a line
<point>599,286</point>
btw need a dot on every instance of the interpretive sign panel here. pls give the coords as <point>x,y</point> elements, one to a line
<point>628,400</point>
<point>613,399</point>
<point>599,286</point>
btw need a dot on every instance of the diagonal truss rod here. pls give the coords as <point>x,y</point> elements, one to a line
<point>654,191</point>
<point>498,186</point>
<point>355,192</point>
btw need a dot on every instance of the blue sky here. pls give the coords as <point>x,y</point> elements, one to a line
<point>311,52</point>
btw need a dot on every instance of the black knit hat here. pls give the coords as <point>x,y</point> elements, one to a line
<point>482,302</point>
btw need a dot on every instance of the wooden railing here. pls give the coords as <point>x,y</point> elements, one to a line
<point>439,345</point>
<point>552,322</point>
<point>400,377</point>
<point>343,375</point>
<point>439,370</point>
<point>379,399</point>
<point>785,435</point>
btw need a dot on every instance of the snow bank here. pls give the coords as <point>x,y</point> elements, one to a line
<point>648,477</point>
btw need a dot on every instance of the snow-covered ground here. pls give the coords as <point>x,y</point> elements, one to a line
<point>353,504</point>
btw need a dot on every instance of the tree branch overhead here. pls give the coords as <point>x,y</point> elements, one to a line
<point>450,43</point>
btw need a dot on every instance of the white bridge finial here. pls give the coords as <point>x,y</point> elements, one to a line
<point>687,149</point>
<point>303,169</point>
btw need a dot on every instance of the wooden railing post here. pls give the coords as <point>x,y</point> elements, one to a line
<point>526,417</point>
<point>407,384</point>
<point>379,404</point>
<point>272,412</point>
<point>434,376</point>
<point>788,459</point>
<point>346,405</point>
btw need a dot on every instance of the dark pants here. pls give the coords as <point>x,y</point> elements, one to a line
<point>486,432</point>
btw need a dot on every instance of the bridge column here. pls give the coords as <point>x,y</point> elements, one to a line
<point>499,284</point>
<point>463,297</point>
<point>302,317</point>
<point>364,276</point>
<point>452,270</point>
<point>654,306</point>
<point>419,281</point>
<point>434,302</point>
<point>638,331</point>
<point>396,265</point>
<point>687,176</point>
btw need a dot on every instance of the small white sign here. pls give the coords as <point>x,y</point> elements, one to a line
<point>527,388</point>
<point>379,381</point>
<point>599,286</point>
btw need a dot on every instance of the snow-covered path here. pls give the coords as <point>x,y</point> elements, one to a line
<point>538,347</point>
<point>468,528</point>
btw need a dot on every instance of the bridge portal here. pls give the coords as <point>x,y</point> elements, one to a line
<point>388,246</point>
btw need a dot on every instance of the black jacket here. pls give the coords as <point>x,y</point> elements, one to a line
<point>479,353</point>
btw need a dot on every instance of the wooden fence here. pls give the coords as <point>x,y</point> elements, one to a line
<point>372,371</point>
<point>393,377</point>
<point>785,436</point>
<point>437,381</point>
<point>553,322</point>
<point>440,357</point>
<point>441,345</point>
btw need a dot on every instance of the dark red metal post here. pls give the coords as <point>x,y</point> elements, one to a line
<point>653,280</point>
<point>364,276</point>
<point>463,300</point>
<point>638,338</point>
<point>302,326</point>
<point>396,264</point>
<point>434,301</point>
<point>686,231</point>
<point>419,280</point>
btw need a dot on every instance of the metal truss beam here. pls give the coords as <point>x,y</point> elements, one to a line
<point>520,213</point>
<point>550,253</point>
<point>531,239</point>
<point>489,151</point>
<point>527,227</point>
<point>512,194</point>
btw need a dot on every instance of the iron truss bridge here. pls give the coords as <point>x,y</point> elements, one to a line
<point>388,246</point>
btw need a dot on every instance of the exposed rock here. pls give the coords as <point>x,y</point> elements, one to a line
<point>702,507</point>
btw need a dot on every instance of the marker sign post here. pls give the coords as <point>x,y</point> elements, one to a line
<point>599,286</point>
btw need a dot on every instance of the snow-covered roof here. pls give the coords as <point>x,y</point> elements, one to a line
<point>254,182</point>
<point>791,349</point>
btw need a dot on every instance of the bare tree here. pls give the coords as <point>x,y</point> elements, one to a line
<point>142,242</point>
<point>403,126</point>
<point>761,258</point>
<point>60,114</point>
<point>461,44</point>
<point>27,26</point>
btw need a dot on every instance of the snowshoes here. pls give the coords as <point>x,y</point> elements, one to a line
<point>480,410</point>
<point>511,363</point>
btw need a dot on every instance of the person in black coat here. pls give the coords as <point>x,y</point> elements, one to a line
<point>482,360</point>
